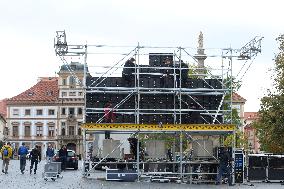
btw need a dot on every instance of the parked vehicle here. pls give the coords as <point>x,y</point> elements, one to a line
<point>72,159</point>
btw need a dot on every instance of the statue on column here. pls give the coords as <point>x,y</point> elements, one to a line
<point>200,40</point>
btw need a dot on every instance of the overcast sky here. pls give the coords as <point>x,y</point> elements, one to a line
<point>27,29</point>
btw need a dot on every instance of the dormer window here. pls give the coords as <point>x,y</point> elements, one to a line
<point>49,93</point>
<point>30,93</point>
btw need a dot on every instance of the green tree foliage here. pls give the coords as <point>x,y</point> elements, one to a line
<point>233,117</point>
<point>193,71</point>
<point>270,125</point>
<point>241,139</point>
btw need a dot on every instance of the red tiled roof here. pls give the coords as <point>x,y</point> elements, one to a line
<point>250,115</point>
<point>238,98</point>
<point>3,107</point>
<point>46,90</point>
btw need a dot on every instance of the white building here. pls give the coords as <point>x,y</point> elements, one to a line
<point>32,115</point>
<point>52,111</point>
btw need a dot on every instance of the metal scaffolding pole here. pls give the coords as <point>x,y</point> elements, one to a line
<point>84,110</point>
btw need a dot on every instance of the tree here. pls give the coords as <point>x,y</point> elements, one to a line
<point>241,139</point>
<point>270,125</point>
<point>233,117</point>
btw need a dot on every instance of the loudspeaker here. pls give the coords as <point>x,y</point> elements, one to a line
<point>154,101</point>
<point>158,59</point>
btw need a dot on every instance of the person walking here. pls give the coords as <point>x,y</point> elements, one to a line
<point>23,152</point>
<point>35,158</point>
<point>6,152</point>
<point>63,156</point>
<point>49,153</point>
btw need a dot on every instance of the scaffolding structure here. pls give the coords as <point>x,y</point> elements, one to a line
<point>207,92</point>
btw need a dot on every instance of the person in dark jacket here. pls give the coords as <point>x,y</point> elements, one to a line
<point>128,72</point>
<point>35,157</point>
<point>224,166</point>
<point>23,152</point>
<point>49,153</point>
<point>63,157</point>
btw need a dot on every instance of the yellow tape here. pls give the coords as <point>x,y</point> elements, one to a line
<point>155,127</point>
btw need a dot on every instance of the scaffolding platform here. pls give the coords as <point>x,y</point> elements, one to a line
<point>158,127</point>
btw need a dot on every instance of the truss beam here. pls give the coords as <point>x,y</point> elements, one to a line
<point>159,127</point>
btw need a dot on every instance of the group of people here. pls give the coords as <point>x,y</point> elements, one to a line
<point>34,157</point>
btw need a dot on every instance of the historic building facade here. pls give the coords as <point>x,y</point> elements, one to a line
<point>32,115</point>
<point>71,107</point>
<point>50,112</point>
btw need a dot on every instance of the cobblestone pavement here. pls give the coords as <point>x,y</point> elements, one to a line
<point>73,179</point>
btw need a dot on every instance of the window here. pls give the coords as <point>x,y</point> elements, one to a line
<point>27,131</point>
<point>63,111</point>
<point>71,111</point>
<point>39,112</point>
<point>51,131</point>
<point>51,112</point>
<point>31,93</point>
<point>63,131</point>
<point>72,93</point>
<point>63,124</point>
<point>80,93</point>
<point>70,154</point>
<point>39,130</point>
<point>27,112</point>
<point>63,81</point>
<point>15,131</point>
<point>72,80</point>
<point>15,111</point>
<point>64,93</point>
<point>63,128</point>
<point>71,130</point>
<point>80,111</point>
<point>79,131</point>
